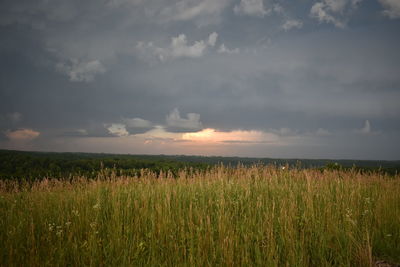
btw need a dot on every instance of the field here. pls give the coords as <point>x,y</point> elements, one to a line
<point>242,216</point>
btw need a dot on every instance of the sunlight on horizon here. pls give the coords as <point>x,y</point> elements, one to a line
<point>238,136</point>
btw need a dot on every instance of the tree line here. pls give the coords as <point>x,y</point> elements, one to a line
<point>38,165</point>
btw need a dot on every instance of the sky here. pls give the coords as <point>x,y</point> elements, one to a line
<point>249,78</point>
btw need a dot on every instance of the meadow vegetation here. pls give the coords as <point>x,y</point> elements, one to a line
<point>221,216</point>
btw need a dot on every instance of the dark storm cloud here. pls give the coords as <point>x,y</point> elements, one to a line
<point>315,71</point>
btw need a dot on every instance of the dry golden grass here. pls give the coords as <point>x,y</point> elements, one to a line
<point>243,216</point>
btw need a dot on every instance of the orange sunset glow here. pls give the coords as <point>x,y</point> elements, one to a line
<point>210,135</point>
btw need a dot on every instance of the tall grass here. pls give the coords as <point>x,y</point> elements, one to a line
<point>243,216</point>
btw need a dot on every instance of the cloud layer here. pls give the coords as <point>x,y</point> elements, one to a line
<point>247,77</point>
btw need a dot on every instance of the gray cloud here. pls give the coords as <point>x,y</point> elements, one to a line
<point>334,11</point>
<point>367,128</point>
<point>123,3</point>
<point>14,117</point>
<point>117,129</point>
<point>392,8</point>
<point>320,11</point>
<point>177,124</point>
<point>292,24</point>
<point>75,133</point>
<point>79,78</point>
<point>37,14</point>
<point>251,8</point>
<point>223,49</point>
<point>179,47</point>
<point>212,39</point>
<point>83,71</point>
<point>204,11</point>
<point>323,132</point>
<point>137,125</point>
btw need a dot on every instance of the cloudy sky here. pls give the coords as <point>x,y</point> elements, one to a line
<point>262,78</point>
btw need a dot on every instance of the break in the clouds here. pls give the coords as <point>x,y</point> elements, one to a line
<point>238,136</point>
<point>22,135</point>
<point>262,78</point>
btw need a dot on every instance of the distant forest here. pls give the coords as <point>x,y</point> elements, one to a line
<point>38,165</point>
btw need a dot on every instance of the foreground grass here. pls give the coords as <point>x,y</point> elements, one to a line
<point>244,216</point>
